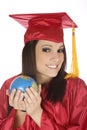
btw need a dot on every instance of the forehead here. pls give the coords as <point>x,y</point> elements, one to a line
<point>50,43</point>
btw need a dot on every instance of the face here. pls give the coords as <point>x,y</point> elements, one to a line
<point>49,58</point>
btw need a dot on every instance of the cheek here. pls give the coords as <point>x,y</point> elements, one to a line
<point>61,58</point>
<point>41,61</point>
<point>39,57</point>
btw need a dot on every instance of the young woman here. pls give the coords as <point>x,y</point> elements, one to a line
<point>60,103</point>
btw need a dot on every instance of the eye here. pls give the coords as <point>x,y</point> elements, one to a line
<point>46,49</point>
<point>60,50</point>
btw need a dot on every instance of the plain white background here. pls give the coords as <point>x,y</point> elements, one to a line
<point>11,32</point>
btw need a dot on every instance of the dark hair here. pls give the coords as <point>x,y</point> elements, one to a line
<point>56,90</point>
<point>28,59</point>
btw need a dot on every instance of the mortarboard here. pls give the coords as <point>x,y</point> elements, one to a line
<point>49,26</point>
<point>45,26</point>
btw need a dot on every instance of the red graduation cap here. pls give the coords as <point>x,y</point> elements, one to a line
<point>49,26</point>
<point>45,26</point>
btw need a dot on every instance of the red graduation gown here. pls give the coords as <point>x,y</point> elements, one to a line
<point>70,115</point>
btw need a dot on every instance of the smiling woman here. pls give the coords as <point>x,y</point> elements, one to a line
<point>55,106</point>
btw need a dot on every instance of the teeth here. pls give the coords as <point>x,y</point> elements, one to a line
<point>52,66</point>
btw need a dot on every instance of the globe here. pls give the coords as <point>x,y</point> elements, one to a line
<point>22,82</point>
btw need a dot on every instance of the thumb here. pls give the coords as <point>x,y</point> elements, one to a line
<point>7,92</point>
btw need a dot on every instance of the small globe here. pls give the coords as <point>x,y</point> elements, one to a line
<point>22,82</point>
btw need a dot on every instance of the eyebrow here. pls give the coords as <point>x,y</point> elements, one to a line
<point>46,45</point>
<point>51,45</point>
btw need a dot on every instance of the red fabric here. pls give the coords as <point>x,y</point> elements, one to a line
<point>44,26</point>
<point>70,115</point>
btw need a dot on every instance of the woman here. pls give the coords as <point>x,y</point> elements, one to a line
<point>61,103</point>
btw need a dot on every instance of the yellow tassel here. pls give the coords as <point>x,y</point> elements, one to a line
<point>74,71</point>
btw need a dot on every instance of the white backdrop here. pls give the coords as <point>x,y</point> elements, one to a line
<point>11,33</point>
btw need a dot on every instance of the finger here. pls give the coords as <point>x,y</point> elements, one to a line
<point>29,96</point>
<point>16,99</point>
<point>21,96</point>
<point>33,92</point>
<point>35,96</point>
<point>17,96</point>
<point>21,104</point>
<point>11,97</point>
<point>26,104</point>
<point>28,100</point>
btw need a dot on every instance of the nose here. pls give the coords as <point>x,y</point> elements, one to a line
<point>55,56</point>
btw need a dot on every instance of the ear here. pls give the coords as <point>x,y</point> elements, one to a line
<point>39,88</point>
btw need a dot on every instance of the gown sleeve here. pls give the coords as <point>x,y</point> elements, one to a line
<point>6,121</point>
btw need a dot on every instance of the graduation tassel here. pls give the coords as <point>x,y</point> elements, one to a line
<point>74,71</point>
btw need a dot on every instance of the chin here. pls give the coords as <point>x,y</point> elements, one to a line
<point>53,75</point>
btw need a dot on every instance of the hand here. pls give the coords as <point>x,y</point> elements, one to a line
<point>32,100</point>
<point>16,99</point>
<point>33,104</point>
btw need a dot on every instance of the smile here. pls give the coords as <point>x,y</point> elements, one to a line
<point>52,66</point>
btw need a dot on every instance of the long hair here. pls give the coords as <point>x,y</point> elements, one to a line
<point>56,89</point>
<point>29,60</point>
